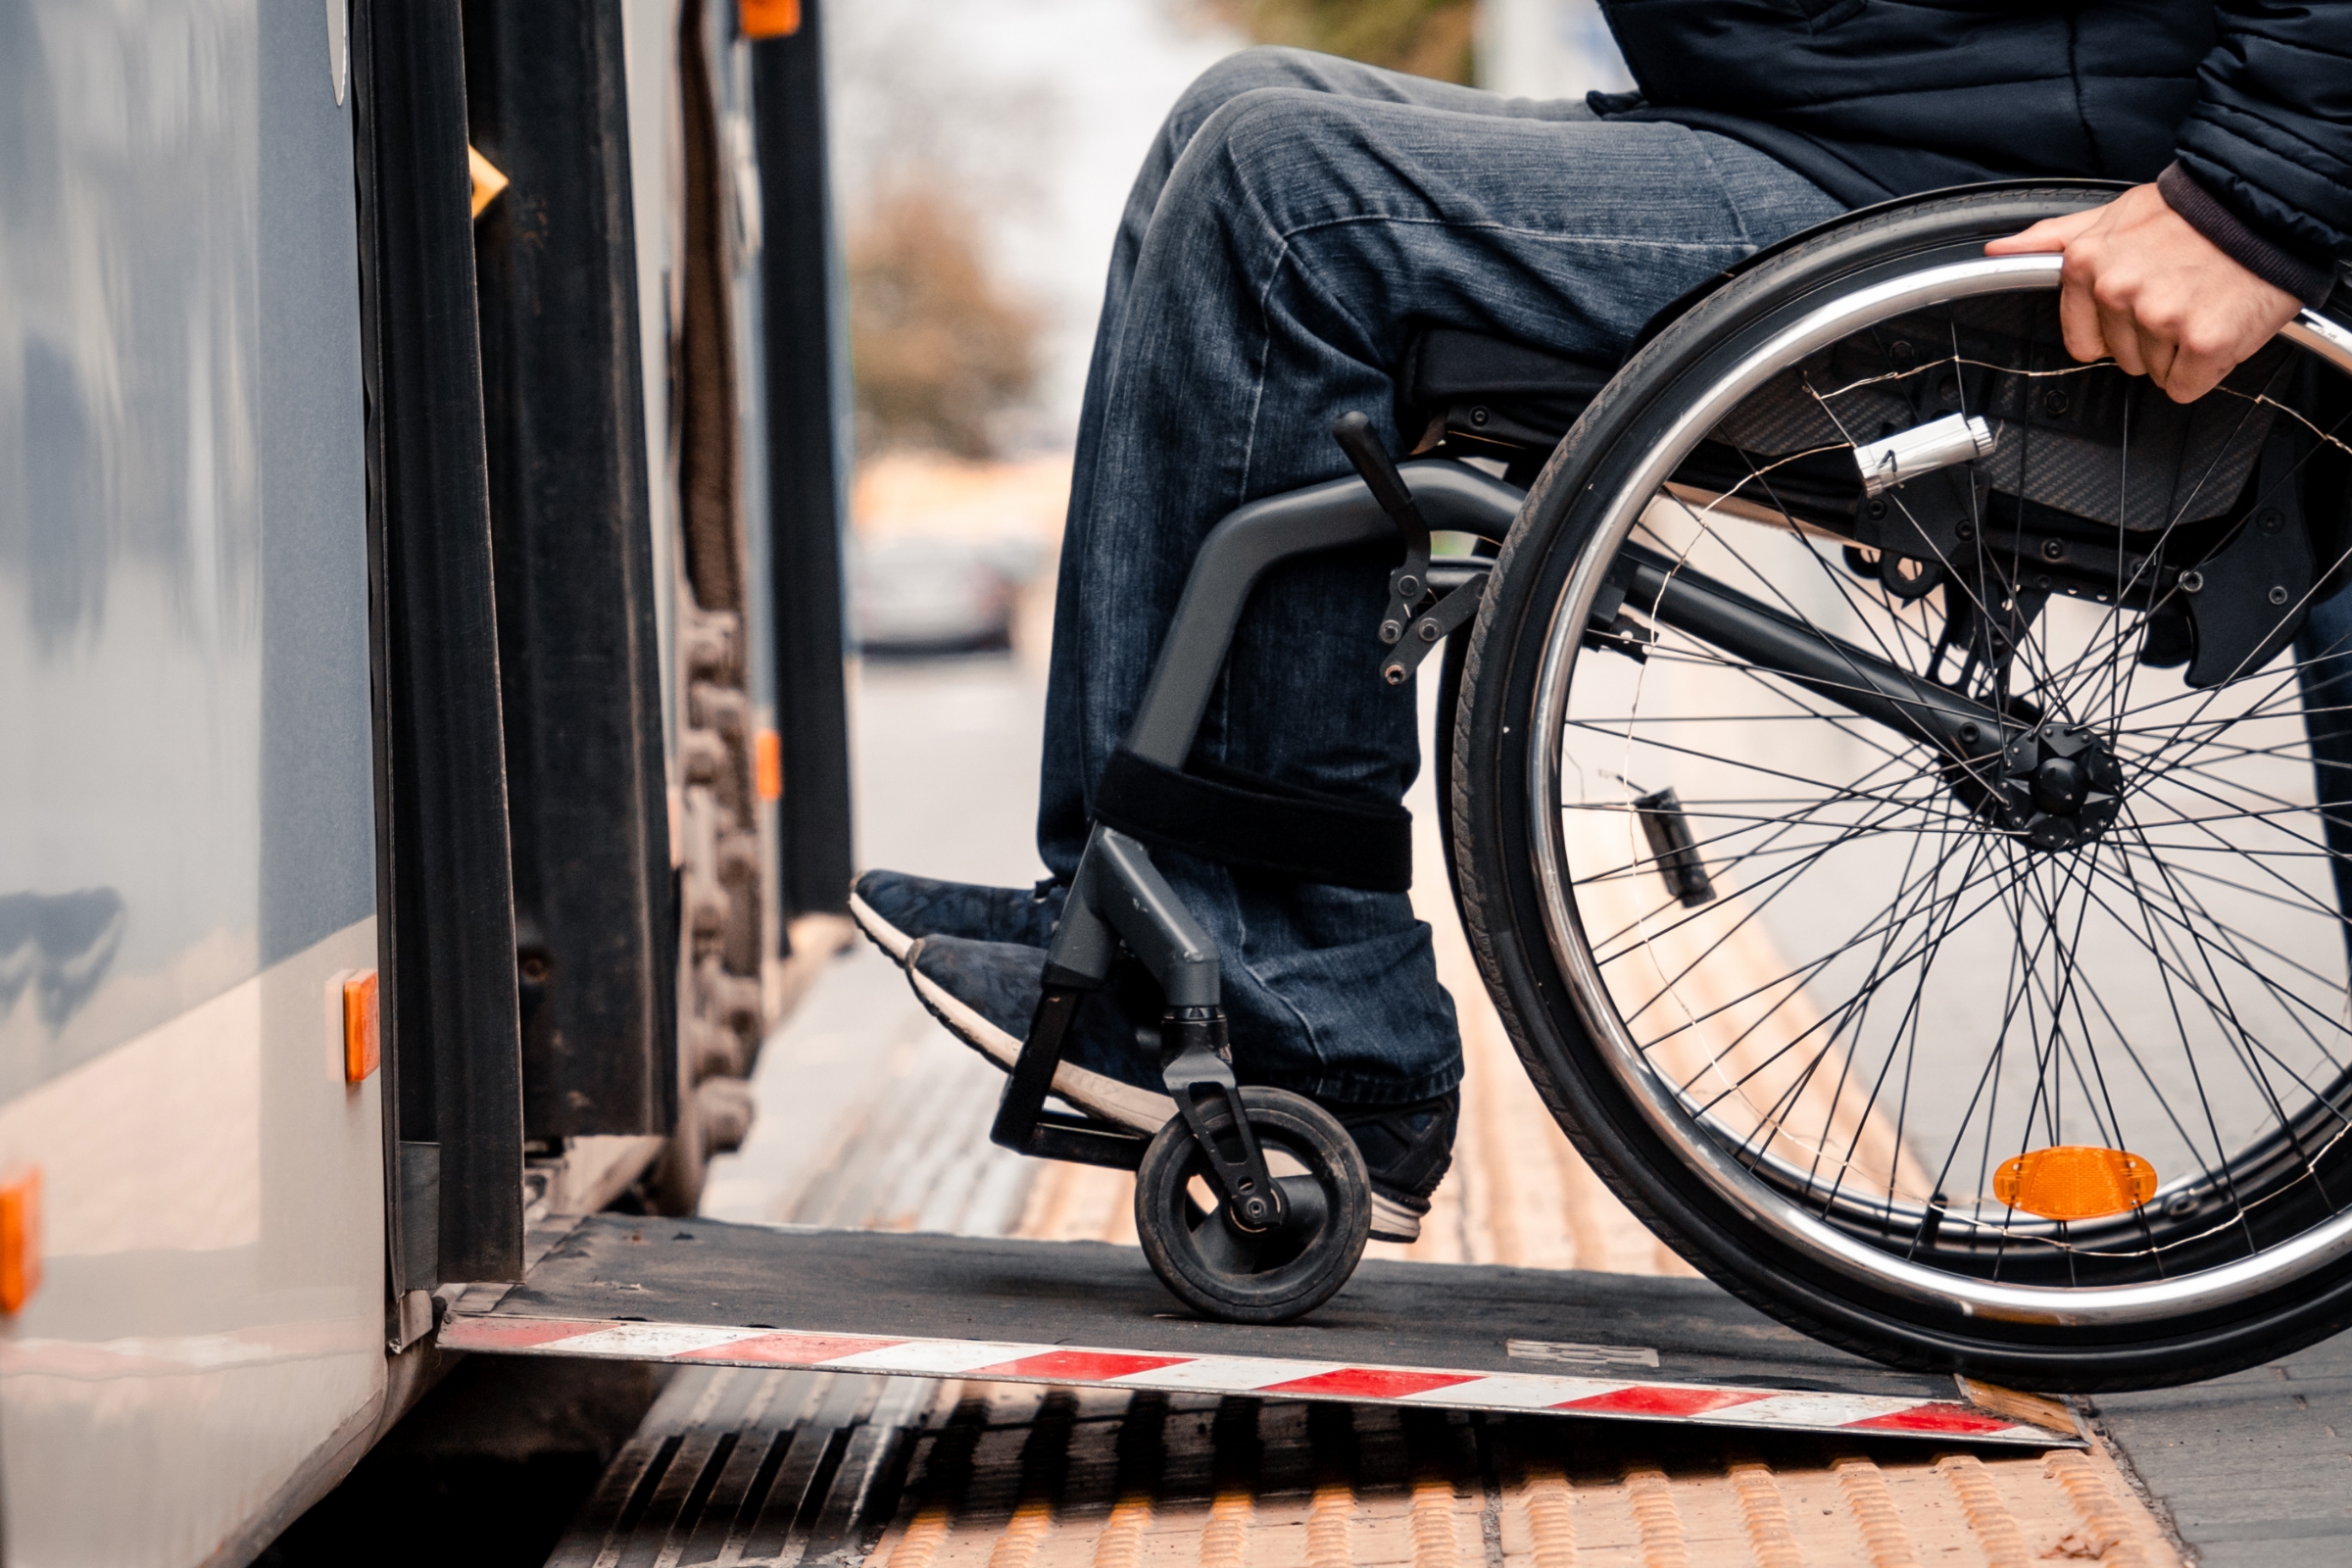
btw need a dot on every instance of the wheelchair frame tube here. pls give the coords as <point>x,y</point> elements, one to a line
<point>1118,894</point>
<point>1857,680</point>
<point>1118,890</point>
<point>1253,539</point>
<point>1116,882</point>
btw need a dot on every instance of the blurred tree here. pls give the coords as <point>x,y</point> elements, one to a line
<point>938,350</point>
<point>1427,37</point>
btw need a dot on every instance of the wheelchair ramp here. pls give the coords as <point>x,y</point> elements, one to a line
<point>1086,1314</point>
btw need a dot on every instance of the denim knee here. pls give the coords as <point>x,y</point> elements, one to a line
<point>1266,65</point>
<point>1252,158</point>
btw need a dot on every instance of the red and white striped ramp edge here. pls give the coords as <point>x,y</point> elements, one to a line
<point>996,1362</point>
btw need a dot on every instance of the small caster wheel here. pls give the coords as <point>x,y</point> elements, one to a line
<point>1222,1270</point>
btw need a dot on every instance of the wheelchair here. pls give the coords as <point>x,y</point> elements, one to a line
<point>1899,795</point>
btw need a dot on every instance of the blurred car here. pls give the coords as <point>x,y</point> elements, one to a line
<point>915,597</point>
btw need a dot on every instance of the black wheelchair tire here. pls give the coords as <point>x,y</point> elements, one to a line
<point>1493,858</point>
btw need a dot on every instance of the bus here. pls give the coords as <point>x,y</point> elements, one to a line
<point>420,468</point>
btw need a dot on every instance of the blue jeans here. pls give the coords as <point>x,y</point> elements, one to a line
<point>2325,655</point>
<point>1297,220</point>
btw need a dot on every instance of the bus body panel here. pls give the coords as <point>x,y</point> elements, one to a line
<point>186,815</point>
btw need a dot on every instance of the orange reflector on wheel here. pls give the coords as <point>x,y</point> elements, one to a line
<point>2074,1182</point>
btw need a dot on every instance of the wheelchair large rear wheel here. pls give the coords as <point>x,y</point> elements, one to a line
<point>1902,805</point>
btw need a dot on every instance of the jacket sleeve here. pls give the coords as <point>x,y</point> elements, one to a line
<point>2271,137</point>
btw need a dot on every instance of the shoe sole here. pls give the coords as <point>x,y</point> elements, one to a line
<point>1138,1111</point>
<point>1392,1221</point>
<point>880,932</point>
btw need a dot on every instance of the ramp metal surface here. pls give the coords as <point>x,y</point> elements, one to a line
<point>1077,1313</point>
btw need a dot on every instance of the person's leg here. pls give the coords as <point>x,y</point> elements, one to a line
<point>1300,238</point>
<point>894,908</point>
<point>1063,812</point>
<point>2323,653</point>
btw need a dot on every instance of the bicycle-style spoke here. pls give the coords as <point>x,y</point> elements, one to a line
<point>2180,923</point>
<point>2196,921</point>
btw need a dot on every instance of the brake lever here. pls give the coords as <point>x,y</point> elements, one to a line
<point>1409,584</point>
<point>1409,581</point>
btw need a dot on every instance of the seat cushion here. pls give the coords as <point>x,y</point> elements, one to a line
<point>1467,387</point>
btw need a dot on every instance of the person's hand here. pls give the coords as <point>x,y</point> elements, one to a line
<point>2142,285</point>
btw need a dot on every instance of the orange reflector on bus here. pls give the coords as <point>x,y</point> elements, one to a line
<point>362,1032</point>
<point>2074,1182</point>
<point>768,764</point>
<point>20,1237</point>
<point>768,18</point>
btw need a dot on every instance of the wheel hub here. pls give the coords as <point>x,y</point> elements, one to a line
<point>2059,785</point>
<point>2058,788</point>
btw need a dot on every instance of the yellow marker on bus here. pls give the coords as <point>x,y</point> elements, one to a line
<point>2075,1182</point>
<point>488,180</point>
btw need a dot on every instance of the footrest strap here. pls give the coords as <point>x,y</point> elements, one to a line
<point>1260,825</point>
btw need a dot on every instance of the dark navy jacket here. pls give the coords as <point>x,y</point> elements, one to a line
<point>1879,98</point>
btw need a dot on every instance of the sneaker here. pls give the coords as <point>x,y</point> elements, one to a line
<point>895,909</point>
<point>1406,1150</point>
<point>987,992</point>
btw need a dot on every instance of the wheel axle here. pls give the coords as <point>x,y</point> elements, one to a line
<point>2059,788</point>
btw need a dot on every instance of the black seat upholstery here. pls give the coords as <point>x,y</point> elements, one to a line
<point>1464,390</point>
